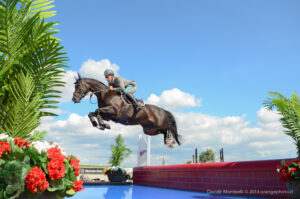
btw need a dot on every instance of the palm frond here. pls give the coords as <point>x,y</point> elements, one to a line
<point>45,61</point>
<point>22,112</point>
<point>290,112</point>
<point>41,7</point>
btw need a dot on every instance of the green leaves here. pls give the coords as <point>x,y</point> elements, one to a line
<point>28,46</point>
<point>289,109</point>
<point>21,113</point>
<point>119,151</point>
<point>38,136</point>
<point>71,192</point>
<point>13,176</point>
<point>41,7</point>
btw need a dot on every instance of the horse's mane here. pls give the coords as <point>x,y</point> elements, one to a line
<point>91,80</point>
<point>96,81</point>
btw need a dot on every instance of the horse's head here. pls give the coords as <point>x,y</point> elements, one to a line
<point>81,89</point>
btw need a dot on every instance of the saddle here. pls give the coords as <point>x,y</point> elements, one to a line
<point>128,101</point>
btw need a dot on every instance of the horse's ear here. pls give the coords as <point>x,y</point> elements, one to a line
<point>77,78</point>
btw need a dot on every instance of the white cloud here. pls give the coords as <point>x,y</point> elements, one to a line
<point>95,69</point>
<point>174,99</point>
<point>68,89</point>
<point>269,119</point>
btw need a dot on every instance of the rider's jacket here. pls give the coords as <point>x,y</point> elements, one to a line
<point>120,84</point>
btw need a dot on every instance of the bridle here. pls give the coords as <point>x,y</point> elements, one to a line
<point>82,94</point>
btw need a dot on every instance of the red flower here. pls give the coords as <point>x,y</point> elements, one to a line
<point>77,186</point>
<point>56,169</point>
<point>26,144</point>
<point>19,142</point>
<point>287,170</point>
<point>36,179</point>
<point>55,152</point>
<point>286,177</point>
<point>4,148</point>
<point>293,170</point>
<point>76,168</point>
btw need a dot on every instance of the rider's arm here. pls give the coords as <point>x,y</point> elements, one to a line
<point>120,86</point>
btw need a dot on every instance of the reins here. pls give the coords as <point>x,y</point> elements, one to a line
<point>92,96</point>
<point>94,93</point>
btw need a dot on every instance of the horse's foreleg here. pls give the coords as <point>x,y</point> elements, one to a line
<point>107,113</point>
<point>102,125</point>
<point>93,121</point>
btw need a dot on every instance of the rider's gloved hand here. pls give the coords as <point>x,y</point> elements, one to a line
<point>110,88</point>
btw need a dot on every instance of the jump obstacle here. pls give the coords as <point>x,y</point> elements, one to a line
<point>249,178</point>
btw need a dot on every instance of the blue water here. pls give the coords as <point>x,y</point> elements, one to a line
<point>143,192</point>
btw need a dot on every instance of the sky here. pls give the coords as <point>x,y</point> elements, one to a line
<point>210,62</point>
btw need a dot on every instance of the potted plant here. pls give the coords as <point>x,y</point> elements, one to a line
<point>117,174</point>
<point>119,152</point>
<point>36,170</point>
<point>289,109</point>
<point>290,174</point>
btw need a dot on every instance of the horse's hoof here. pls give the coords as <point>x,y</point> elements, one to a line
<point>101,127</point>
<point>94,124</point>
<point>107,126</point>
<point>170,146</point>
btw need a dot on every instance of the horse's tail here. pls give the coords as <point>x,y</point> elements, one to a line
<point>173,126</point>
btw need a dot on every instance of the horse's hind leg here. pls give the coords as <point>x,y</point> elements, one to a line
<point>168,139</point>
<point>165,137</point>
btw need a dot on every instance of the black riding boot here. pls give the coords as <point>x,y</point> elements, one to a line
<point>135,104</point>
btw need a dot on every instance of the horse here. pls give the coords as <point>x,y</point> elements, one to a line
<point>153,119</point>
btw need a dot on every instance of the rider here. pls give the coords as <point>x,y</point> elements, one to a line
<point>119,84</point>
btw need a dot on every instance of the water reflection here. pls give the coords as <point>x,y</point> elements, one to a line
<point>142,192</point>
<point>118,192</point>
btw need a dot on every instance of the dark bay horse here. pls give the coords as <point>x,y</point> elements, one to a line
<point>153,119</point>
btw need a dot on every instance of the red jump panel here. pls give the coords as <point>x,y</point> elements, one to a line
<point>249,178</point>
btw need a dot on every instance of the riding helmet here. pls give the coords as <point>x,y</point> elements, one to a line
<point>108,72</point>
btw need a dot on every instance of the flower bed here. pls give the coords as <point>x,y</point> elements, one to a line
<point>35,168</point>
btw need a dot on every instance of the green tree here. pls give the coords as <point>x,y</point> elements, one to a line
<point>118,152</point>
<point>207,156</point>
<point>289,110</point>
<point>189,162</point>
<point>28,48</point>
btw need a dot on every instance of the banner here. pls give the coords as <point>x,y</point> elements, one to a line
<point>142,151</point>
